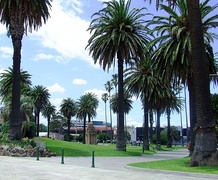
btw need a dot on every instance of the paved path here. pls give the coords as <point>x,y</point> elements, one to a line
<point>79,168</point>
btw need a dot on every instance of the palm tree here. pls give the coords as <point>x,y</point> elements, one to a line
<point>127,103</point>
<point>87,106</point>
<point>105,99</point>
<point>93,104</point>
<point>68,108</point>
<point>173,103</point>
<point>19,16</point>
<point>114,81</point>
<point>40,97</point>
<point>48,111</point>
<point>108,87</point>
<point>6,81</point>
<point>140,81</point>
<point>204,153</point>
<point>117,32</point>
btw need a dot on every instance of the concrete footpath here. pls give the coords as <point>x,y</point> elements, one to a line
<point>79,168</point>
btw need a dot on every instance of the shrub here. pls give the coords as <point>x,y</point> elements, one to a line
<point>28,129</point>
<point>5,127</point>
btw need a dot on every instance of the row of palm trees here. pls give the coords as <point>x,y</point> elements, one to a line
<point>167,52</point>
<point>35,100</point>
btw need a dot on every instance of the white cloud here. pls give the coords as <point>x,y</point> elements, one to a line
<point>56,102</point>
<point>6,52</point>
<point>98,92</point>
<point>56,88</point>
<point>65,32</point>
<point>79,81</point>
<point>42,56</point>
<point>132,122</point>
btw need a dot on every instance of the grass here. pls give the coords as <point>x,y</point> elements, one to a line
<point>181,165</point>
<point>79,149</point>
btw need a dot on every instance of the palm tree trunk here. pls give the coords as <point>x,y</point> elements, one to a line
<point>193,117</point>
<point>121,144</point>
<point>68,128</point>
<point>146,129</point>
<point>151,119</point>
<point>205,152</point>
<point>48,127</point>
<point>169,140</point>
<point>84,130</point>
<point>15,122</point>
<point>158,141</point>
<point>37,124</point>
<point>105,113</point>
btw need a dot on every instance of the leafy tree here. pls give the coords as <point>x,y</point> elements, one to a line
<point>117,32</point>
<point>19,16</point>
<point>102,137</point>
<point>68,108</point>
<point>48,111</point>
<point>42,128</point>
<point>55,125</point>
<point>40,97</point>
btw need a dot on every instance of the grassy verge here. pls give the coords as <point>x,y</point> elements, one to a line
<point>181,165</point>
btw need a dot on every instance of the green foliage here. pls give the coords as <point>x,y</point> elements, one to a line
<point>28,129</point>
<point>42,128</point>
<point>174,134</point>
<point>4,138</point>
<point>5,127</point>
<point>102,137</point>
<point>23,143</point>
<point>79,138</point>
<point>66,137</point>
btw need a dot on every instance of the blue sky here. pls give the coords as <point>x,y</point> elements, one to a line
<point>56,58</point>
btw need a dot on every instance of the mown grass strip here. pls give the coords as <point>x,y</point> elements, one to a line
<point>181,165</point>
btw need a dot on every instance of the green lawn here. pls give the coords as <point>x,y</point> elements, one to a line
<point>79,149</point>
<point>181,165</point>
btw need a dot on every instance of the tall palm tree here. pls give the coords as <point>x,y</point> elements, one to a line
<point>117,32</point>
<point>48,111</point>
<point>140,81</point>
<point>68,108</point>
<point>114,81</point>
<point>109,87</point>
<point>204,153</point>
<point>93,104</point>
<point>105,99</point>
<point>40,96</point>
<point>19,16</point>
<point>87,106</point>
<point>173,103</point>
